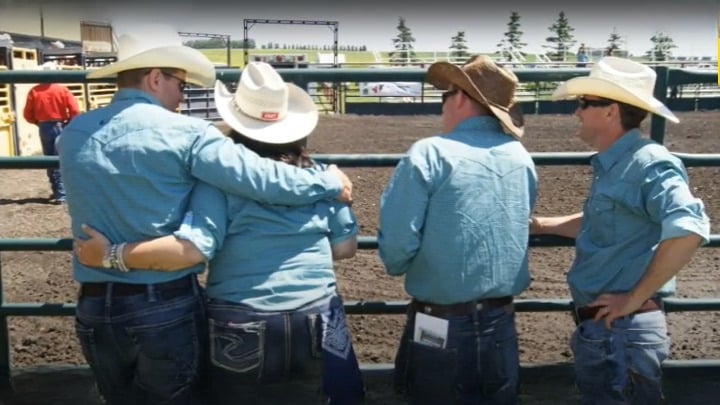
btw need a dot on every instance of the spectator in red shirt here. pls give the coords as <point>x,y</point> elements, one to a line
<point>51,106</point>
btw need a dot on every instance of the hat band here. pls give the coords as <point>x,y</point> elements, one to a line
<point>267,116</point>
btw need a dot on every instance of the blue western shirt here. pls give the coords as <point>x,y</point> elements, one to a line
<point>129,170</point>
<point>454,217</point>
<point>639,198</point>
<point>272,257</point>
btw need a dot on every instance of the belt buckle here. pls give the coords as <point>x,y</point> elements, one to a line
<point>427,309</point>
<point>478,306</point>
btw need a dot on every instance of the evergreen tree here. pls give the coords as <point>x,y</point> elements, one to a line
<point>562,40</point>
<point>613,43</point>
<point>404,51</point>
<point>512,37</point>
<point>458,47</point>
<point>662,47</point>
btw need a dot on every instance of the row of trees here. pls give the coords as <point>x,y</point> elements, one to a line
<point>559,43</point>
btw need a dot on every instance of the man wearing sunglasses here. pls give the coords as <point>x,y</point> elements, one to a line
<point>129,170</point>
<point>639,226</point>
<point>454,222</point>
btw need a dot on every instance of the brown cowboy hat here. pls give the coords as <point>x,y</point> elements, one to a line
<point>485,82</point>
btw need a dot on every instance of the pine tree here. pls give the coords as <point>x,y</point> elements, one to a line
<point>563,38</point>
<point>662,47</point>
<point>458,47</point>
<point>512,37</point>
<point>613,43</point>
<point>404,51</point>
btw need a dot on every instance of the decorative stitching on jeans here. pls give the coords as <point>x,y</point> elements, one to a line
<point>335,337</point>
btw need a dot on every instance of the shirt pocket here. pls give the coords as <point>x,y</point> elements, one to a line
<point>602,226</point>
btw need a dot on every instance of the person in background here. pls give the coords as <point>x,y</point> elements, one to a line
<point>51,106</point>
<point>454,222</point>
<point>639,226</point>
<point>274,310</point>
<point>129,170</point>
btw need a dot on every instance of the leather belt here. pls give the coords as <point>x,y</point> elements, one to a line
<point>166,290</point>
<point>460,309</point>
<point>585,313</point>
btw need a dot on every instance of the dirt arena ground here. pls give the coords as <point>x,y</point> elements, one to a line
<point>46,276</point>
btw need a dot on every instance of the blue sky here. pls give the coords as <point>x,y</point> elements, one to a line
<point>691,24</point>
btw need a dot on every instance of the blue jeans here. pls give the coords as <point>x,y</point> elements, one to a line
<point>144,348</point>
<point>622,365</point>
<point>479,365</point>
<point>49,131</point>
<point>250,351</point>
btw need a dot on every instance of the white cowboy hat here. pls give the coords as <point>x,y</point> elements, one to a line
<point>485,82</point>
<point>50,65</point>
<point>620,80</point>
<point>158,46</point>
<point>265,108</point>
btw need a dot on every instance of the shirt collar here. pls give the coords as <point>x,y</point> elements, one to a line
<point>139,96</point>
<point>485,123</point>
<point>618,149</point>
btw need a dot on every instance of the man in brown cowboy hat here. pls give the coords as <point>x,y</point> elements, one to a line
<point>640,225</point>
<point>453,220</point>
<point>129,170</point>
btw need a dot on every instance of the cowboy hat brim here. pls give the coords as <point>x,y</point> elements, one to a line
<point>199,70</point>
<point>594,86</point>
<point>300,121</point>
<point>442,74</point>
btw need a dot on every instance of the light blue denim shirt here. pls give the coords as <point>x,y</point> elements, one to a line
<point>639,197</point>
<point>454,217</point>
<point>274,257</point>
<point>129,169</point>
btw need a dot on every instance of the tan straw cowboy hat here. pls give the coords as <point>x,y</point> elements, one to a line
<point>620,80</point>
<point>265,108</point>
<point>485,82</point>
<point>158,46</point>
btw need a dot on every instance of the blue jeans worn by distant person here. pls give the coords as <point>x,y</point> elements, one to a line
<point>145,348</point>
<point>479,365</point>
<point>621,365</point>
<point>49,131</point>
<point>251,352</point>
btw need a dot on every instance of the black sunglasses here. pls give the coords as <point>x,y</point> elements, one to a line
<point>182,84</point>
<point>584,103</point>
<point>449,94</point>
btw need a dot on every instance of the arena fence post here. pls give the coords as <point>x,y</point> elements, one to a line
<point>5,377</point>
<point>657,123</point>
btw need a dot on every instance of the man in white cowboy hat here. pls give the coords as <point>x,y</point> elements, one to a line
<point>129,170</point>
<point>51,106</point>
<point>639,226</point>
<point>290,282</point>
<point>453,220</point>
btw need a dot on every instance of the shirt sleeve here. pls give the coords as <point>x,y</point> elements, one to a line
<point>342,223</point>
<point>669,202</point>
<point>215,159</point>
<point>72,105</point>
<point>29,110</point>
<point>403,205</point>
<point>205,224</point>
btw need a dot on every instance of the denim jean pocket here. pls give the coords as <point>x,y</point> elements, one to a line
<point>86,337</point>
<point>431,373</point>
<point>168,353</point>
<point>238,347</point>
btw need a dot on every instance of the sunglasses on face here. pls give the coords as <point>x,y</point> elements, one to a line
<point>446,95</point>
<point>182,84</point>
<point>584,103</point>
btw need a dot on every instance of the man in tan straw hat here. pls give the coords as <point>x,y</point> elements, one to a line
<point>639,226</point>
<point>453,220</point>
<point>129,171</point>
